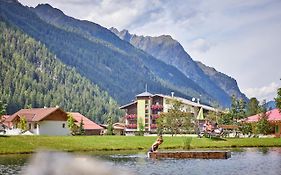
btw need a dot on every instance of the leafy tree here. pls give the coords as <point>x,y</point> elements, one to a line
<point>71,124</point>
<point>141,128</point>
<point>213,116</point>
<point>246,128</point>
<point>226,119</point>
<point>22,124</point>
<point>175,121</point>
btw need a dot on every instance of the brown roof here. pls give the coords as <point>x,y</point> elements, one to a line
<point>88,124</point>
<point>4,119</point>
<point>34,114</point>
<point>119,126</point>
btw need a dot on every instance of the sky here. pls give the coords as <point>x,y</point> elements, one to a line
<point>239,38</point>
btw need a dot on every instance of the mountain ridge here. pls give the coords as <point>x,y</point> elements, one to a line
<point>67,23</point>
<point>165,48</point>
<point>123,74</point>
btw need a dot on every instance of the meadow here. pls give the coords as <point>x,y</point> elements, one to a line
<point>30,144</point>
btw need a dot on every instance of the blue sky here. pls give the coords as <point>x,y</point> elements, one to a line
<point>239,38</point>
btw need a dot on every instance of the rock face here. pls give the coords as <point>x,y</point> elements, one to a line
<point>170,51</point>
<point>228,84</point>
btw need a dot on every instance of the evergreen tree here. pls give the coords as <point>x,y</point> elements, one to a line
<point>81,130</point>
<point>263,126</point>
<point>278,99</point>
<point>2,110</point>
<point>237,111</point>
<point>31,76</point>
<point>253,107</point>
<point>109,126</point>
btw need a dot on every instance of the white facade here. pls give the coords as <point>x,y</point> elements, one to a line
<point>57,128</point>
<point>52,128</point>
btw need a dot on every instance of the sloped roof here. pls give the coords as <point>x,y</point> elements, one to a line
<point>127,105</point>
<point>273,116</point>
<point>144,94</point>
<point>120,126</point>
<point>34,114</point>
<point>188,102</point>
<point>88,124</point>
<point>4,119</point>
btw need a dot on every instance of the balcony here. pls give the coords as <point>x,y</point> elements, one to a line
<point>131,126</point>
<point>153,126</point>
<point>156,107</point>
<point>131,117</point>
<point>155,116</point>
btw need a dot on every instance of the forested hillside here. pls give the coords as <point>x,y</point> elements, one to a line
<point>31,76</point>
<point>113,64</point>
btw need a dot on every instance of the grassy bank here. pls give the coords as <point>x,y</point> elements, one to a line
<point>28,144</point>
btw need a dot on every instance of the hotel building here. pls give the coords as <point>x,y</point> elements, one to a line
<point>142,113</point>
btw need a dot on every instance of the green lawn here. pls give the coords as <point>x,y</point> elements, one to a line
<point>28,144</point>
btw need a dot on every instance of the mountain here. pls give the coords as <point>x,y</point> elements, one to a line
<point>226,83</point>
<point>99,55</point>
<point>170,51</point>
<point>172,77</point>
<point>270,105</point>
<point>31,76</point>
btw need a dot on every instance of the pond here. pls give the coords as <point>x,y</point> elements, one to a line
<point>246,161</point>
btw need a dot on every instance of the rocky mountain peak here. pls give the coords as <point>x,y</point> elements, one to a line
<point>47,8</point>
<point>170,51</point>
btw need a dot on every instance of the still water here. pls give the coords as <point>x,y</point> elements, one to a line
<point>246,161</point>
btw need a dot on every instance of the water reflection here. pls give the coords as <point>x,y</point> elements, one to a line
<point>248,161</point>
<point>12,164</point>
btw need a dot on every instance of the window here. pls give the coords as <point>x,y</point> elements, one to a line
<point>35,125</point>
<point>63,125</point>
<point>29,126</point>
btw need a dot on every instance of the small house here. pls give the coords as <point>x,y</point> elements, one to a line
<point>90,127</point>
<point>274,118</point>
<point>40,121</point>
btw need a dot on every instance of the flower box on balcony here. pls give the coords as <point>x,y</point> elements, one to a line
<point>156,107</point>
<point>153,126</point>
<point>155,116</point>
<point>131,126</point>
<point>131,116</point>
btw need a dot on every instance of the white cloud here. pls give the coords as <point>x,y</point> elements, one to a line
<point>200,45</point>
<point>263,93</point>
